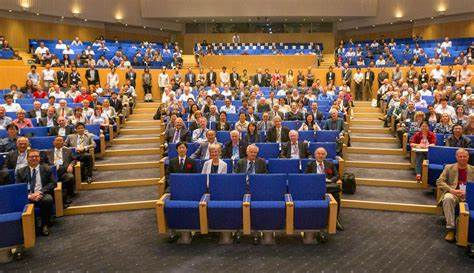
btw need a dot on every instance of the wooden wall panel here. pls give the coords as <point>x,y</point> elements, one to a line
<point>453,29</point>
<point>190,39</point>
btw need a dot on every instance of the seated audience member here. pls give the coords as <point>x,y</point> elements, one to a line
<point>213,115</point>
<point>8,143</point>
<point>322,166</point>
<point>444,126</point>
<point>182,163</point>
<point>63,159</point>
<point>228,107</point>
<point>421,140</point>
<point>203,151</point>
<point>410,125</point>
<point>265,124</point>
<point>251,116</point>
<point>16,158</point>
<point>100,118</point>
<point>199,134</point>
<point>278,133</point>
<point>9,105</point>
<point>50,119</point>
<point>309,124</point>
<point>294,113</point>
<point>4,120</point>
<point>444,108</point>
<point>242,124</point>
<point>21,121</point>
<point>78,117</point>
<point>334,122</point>
<point>234,149</point>
<point>222,124</point>
<point>251,164</point>
<point>318,115</point>
<point>109,111</point>
<point>37,112</point>
<point>252,135</point>
<point>294,148</point>
<point>262,105</point>
<point>41,186</point>
<point>50,103</point>
<point>63,110</point>
<point>62,129</point>
<point>457,139</point>
<point>177,133</point>
<point>83,143</point>
<point>452,184</point>
<point>432,117</point>
<point>214,164</point>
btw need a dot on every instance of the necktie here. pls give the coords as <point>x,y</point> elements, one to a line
<point>181,164</point>
<point>251,168</point>
<point>176,135</point>
<point>321,168</point>
<point>202,133</point>
<point>33,180</point>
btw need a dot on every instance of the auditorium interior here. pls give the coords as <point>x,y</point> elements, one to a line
<point>236,136</point>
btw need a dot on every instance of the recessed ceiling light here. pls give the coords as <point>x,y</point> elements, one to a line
<point>391,23</point>
<point>85,20</point>
<point>37,14</point>
<point>230,19</point>
<point>340,19</point>
<point>144,26</point>
<point>304,19</point>
<point>10,10</point>
<point>212,20</point>
<point>126,25</point>
<point>62,17</point>
<point>322,19</point>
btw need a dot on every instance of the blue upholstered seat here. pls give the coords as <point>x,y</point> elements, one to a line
<point>267,206</point>
<point>284,165</point>
<point>13,201</point>
<point>268,150</point>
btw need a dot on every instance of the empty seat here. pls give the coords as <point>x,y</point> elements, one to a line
<point>284,165</point>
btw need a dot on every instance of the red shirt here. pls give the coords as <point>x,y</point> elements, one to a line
<point>418,136</point>
<point>462,177</point>
<point>40,94</point>
<point>81,97</point>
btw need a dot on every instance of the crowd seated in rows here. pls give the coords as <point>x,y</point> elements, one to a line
<point>6,50</point>
<point>383,53</point>
<point>104,53</point>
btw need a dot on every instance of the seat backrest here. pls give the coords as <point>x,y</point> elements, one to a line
<point>329,146</point>
<point>42,143</point>
<point>309,136</point>
<point>223,136</point>
<point>13,197</point>
<point>188,187</point>
<point>442,155</point>
<point>93,129</point>
<point>284,165</point>
<point>268,150</point>
<point>35,131</point>
<point>227,186</point>
<point>470,194</point>
<point>327,136</point>
<point>307,186</point>
<point>267,187</point>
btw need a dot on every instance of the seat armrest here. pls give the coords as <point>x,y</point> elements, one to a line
<point>160,213</point>
<point>424,173</point>
<point>332,214</point>
<point>161,166</point>
<point>290,214</point>
<point>203,223</point>
<point>28,225</point>
<point>404,143</point>
<point>102,145</point>
<point>161,186</point>
<point>111,133</point>
<point>58,199</point>
<point>77,175</point>
<point>246,214</point>
<point>462,225</point>
<point>342,164</point>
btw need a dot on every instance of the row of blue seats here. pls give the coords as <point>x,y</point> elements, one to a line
<point>422,43</point>
<point>272,202</point>
<point>6,54</point>
<point>266,150</point>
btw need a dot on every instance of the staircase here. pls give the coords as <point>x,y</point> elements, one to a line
<point>128,176</point>
<point>385,178</point>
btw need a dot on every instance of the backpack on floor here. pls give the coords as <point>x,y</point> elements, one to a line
<point>348,183</point>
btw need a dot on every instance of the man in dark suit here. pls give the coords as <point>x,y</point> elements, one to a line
<point>262,105</point>
<point>278,133</point>
<point>234,77</point>
<point>267,78</point>
<point>62,158</point>
<point>116,103</point>
<point>62,129</point>
<point>318,115</point>
<point>36,112</point>
<point>203,151</point>
<point>330,76</point>
<point>294,114</point>
<point>251,164</point>
<point>182,163</point>
<point>17,158</point>
<point>84,144</point>
<point>62,75</point>
<point>294,149</point>
<point>211,77</point>
<point>457,139</point>
<point>92,76</point>
<point>346,75</point>
<point>334,122</point>
<point>235,148</point>
<point>131,76</point>
<point>41,184</point>
<point>251,116</point>
<point>258,78</point>
<point>190,77</point>
<point>322,166</point>
<point>74,76</point>
<point>50,120</point>
<point>177,133</point>
<point>369,78</point>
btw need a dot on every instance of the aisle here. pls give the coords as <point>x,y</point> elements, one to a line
<point>385,178</point>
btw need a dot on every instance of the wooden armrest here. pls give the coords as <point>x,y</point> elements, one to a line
<point>342,164</point>
<point>462,225</point>
<point>102,145</point>
<point>246,214</point>
<point>332,214</point>
<point>424,174</point>
<point>161,186</point>
<point>111,133</point>
<point>290,214</point>
<point>58,199</point>
<point>160,214</point>
<point>77,175</point>
<point>203,224</point>
<point>404,142</point>
<point>161,166</point>
<point>28,224</point>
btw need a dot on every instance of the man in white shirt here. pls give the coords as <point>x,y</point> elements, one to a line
<point>465,75</point>
<point>186,94</point>
<point>60,45</point>
<point>380,61</point>
<point>163,80</point>
<point>228,107</point>
<point>9,105</point>
<point>199,134</point>
<point>40,51</point>
<point>4,120</point>
<point>437,74</point>
<point>68,51</point>
<point>424,90</point>
<point>48,76</point>
<point>443,108</point>
<point>89,51</point>
<point>224,77</point>
<point>358,80</point>
<point>76,42</point>
<point>446,43</point>
<point>236,38</point>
